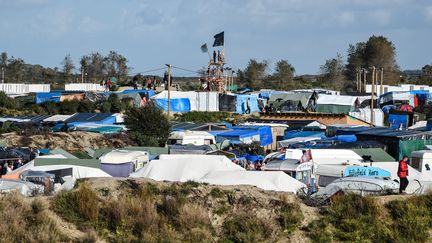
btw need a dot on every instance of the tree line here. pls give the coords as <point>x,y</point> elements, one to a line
<point>92,67</point>
<point>335,73</point>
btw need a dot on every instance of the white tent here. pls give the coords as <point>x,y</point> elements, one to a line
<point>184,167</point>
<point>267,180</point>
<point>326,156</point>
<point>119,156</point>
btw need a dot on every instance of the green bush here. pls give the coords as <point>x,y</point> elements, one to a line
<point>201,116</point>
<point>246,227</point>
<point>290,216</point>
<point>6,101</point>
<point>410,222</point>
<point>147,126</point>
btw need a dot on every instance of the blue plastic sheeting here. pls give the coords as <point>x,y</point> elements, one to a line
<point>265,132</point>
<point>176,105</point>
<point>48,96</point>
<point>268,93</point>
<point>235,135</point>
<point>150,92</point>
<point>254,158</point>
<point>346,138</point>
<point>241,104</point>
<point>293,134</point>
<point>397,120</point>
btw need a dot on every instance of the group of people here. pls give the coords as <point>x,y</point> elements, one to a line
<point>248,165</point>
<point>107,85</point>
<point>218,57</point>
<point>6,167</point>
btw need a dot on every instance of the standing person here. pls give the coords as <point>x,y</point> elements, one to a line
<point>109,84</point>
<point>248,110</point>
<point>402,174</point>
<point>214,56</point>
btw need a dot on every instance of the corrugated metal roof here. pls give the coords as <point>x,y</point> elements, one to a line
<point>89,117</point>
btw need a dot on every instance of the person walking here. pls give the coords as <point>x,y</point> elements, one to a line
<point>248,110</point>
<point>402,173</point>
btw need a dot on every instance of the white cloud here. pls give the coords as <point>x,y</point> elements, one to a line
<point>89,24</point>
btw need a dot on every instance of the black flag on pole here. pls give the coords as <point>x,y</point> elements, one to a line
<point>204,48</point>
<point>219,39</point>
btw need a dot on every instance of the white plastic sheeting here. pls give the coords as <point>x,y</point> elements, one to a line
<point>199,101</point>
<point>122,156</point>
<point>184,167</point>
<point>337,100</point>
<point>17,89</point>
<point>214,169</point>
<point>267,180</point>
<point>84,87</point>
<point>364,114</point>
<point>57,118</point>
<point>23,187</point>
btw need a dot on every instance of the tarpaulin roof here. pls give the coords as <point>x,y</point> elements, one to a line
<point>89,117</point>
<point>266,137</point>
<point>239,133</point>
<point>377,154</point>
<point>337,100</point>
<point>302,97</point>
<point>94,163</point>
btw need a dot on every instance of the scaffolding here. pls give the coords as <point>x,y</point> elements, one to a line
<point>216,77</point>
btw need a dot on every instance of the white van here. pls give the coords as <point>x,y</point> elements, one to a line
<point>191,137</point>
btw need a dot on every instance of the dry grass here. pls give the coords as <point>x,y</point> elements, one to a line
<point>25,221</point>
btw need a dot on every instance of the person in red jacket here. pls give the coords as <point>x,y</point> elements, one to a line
<point>402,174</point>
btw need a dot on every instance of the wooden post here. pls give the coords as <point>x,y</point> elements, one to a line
<point>381,80</point>
<point>169,89</point>
<point>357,80</point>
<point>372,97</point>
<point>364,79</point>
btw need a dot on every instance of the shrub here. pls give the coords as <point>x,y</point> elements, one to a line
<point>246,227</point>
<point>410,221</point>
<point>318,231</point>
<point>290,216</point>
<point>78,206</point>
<point>201,116</point>
<point>6,101</point>
<point>216,192</point>
<point>148,126</point>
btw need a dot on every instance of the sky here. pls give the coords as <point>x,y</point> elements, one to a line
<point>152,33</point>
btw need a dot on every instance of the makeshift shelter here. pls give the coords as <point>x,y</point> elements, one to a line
<point>394,98</point>
<point>186,167</point>
<point>241,103</point>
<point>238,136</point>
<point>42,97</point>
<point>373,154</point>
<point>337,104</point>
<point>398,142</point>
<point>120,163</point>
<point>291,101</point>
<point>181,101</point>
<point>91,118</point>
<point>266,137</point>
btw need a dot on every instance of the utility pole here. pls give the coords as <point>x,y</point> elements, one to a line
<point>364,78</point>
<point>372,97</point>
<point>3,74</point>
<point>381,80</point>
<point>357,80</point>
<point>82,75</point>
<point>169,89</point>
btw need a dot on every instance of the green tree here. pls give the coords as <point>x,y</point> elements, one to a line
<point>68,67</point>
<point>426,74</point>
<point>333,73</point>
<point>116,66</point>
<point>16,69</point>
<point>147,126</point>
<point>283,77</point>
<point>254,74</point>
<point>378,51</point>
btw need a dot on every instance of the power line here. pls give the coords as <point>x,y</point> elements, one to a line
<point>187,70</point>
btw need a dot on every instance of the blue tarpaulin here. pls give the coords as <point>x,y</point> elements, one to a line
<point>397,120</point>
<point>47,96</point>
<point>238,135</point>
<point>293,134</point>
<point>241,104</point>
<point>176,105</point>
<point>150,92</point>
<point>254,158</point>
<point>265,132</point>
